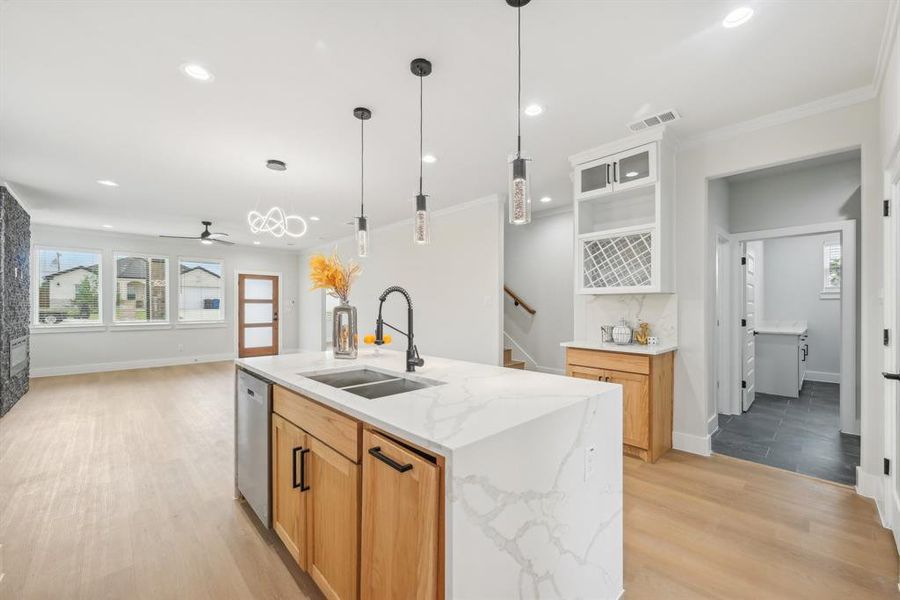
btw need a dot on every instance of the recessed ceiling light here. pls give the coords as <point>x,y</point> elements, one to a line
<point>107,182</point>
<point>314,218</point>
<point>106,226</point>
<point>631,174</point>
<point>533,110</point>
<point>429,159</point>
<point>276,165</point>
<point>738,17</point>
<point>256,242</point>
<point>546,199</point>
<point>195,71</point>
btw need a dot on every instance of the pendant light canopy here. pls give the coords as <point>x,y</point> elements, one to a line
<point>362,225</point>
<point>519,194</point>
<point>421,68</point>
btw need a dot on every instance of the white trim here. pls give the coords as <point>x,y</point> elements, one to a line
<point>529,361</point>
<point>139,326</point>
<point>128,364</point>
<point>712,425</point>
<point>727,404</point>
<point>873,486</point>
<point>625,144</point>
<point>849,346</point>
<point>822,105</point>
<point>237,274</point>
<point>200,324</point>
<point>42,329</point>
<point>830,295</point>
<point>888,38</point>
<point>823,376</point>
<point>695,444</point>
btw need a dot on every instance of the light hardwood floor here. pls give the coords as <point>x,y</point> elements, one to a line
<point>119,485</point>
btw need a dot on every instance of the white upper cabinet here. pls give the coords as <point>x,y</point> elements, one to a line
<point>623,217</point>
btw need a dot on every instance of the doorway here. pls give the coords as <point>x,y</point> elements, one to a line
<point>258,307</point>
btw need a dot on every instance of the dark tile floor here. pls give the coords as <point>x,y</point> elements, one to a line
<point>798,434</point>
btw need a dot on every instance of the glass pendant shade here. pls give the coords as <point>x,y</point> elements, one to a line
<point>519,193</point>
<point>422,230</point>
<point>362,237</point>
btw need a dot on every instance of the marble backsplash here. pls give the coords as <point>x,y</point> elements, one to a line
<point>660,311</point>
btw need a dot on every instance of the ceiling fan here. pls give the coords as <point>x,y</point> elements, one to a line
<point>205,237</point>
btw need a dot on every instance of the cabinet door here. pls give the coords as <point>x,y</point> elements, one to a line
<point>400,507</point>
<point>635,167</point>
<point>288,496</point>
<point>332,521</point>
<point>593,178</point>
<point>635,407</point>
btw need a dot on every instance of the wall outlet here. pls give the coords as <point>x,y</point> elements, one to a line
<point>590,458</point>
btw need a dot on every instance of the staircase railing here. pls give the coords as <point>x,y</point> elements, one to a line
<point>518,301</point>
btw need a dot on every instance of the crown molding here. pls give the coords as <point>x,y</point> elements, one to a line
<point>822,105</point>
<point>888,40</point>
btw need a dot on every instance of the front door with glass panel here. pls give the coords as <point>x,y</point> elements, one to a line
<point>257,315</point>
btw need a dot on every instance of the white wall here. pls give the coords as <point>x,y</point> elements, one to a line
<point>835,131</point>
<point>126,346</point>
<point>455,283</point>
<point>793,280</point>
<point>537,266</point>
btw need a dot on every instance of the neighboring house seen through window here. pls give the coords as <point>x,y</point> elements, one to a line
<point>141,289</point>
<point>68,287</point>
<point>831,270</point>
<point>201,291</point>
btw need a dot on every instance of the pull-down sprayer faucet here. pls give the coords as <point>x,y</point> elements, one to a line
<point>412,353</point>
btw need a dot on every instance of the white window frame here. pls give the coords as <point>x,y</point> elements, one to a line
<point>116,254</point>
<point>830,292</point>
<point>201,323</point>
<point>36,290</point>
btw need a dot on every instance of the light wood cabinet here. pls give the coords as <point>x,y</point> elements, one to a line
<point>400,521</point>
<point>288,499</point>
<point>647,390</point>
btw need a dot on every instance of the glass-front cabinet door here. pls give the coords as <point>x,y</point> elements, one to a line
<point>635,167</point>
<point>593,178</point>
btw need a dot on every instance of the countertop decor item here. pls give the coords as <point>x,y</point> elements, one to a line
<point>332,275</point>
<point>642,335</point>
<point>621,333</point>
<point>421,68</point>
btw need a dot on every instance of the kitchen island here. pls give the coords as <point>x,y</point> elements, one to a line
<point>525,469</point>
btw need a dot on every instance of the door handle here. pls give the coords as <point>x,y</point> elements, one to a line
<point>616,172</point>
<point>376,452</point>
<point>891,376</point>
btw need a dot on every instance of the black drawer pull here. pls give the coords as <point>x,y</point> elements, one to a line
<point>376,452</point>
<point>891,376</point>
<point>302,483</point>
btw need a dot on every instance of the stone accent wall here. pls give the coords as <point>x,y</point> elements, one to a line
<point>15,306</point>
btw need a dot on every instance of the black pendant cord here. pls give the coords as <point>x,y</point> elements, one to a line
<point>362,168</point>
<point>421,129</point>
<point>519,96</point>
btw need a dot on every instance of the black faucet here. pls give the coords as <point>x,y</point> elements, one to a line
<point>412,353</point>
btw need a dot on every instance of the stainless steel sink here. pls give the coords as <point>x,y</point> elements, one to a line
<point>372,384</point>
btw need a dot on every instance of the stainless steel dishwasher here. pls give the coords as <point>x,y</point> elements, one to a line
<point>252,433</point>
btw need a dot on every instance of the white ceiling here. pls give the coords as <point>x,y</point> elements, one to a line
<point>92,90</point>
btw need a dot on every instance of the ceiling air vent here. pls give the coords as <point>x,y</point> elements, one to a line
<point>667,116</point>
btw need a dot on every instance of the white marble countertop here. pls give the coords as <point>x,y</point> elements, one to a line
<point>782,327</point>
<point>475,402</point>
<point>649,350</point>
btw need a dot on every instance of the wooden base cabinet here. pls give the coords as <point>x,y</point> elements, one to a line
<point>647,390</point>
<point>288,500</point>
<point>400,521</point>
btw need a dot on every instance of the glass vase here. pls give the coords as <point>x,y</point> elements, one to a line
<point>345,335</point>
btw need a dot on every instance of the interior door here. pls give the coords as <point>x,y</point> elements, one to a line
<point>749,327</point>
<point>257,315</point>
<point>289,449</point>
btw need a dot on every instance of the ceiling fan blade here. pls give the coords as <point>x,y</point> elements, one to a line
<point>181,237</point>
<point>218,241</point>
<point>218,234</point>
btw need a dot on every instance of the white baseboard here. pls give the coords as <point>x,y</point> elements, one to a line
<point>712,425</point>
<point>872,486</point>
<point>128,364</point>
<point>823,376</point>
<point>695,444</point>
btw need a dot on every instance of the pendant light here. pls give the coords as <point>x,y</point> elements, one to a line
<point>421,68</point>
<point>519,194</point>
<point>362,224</point>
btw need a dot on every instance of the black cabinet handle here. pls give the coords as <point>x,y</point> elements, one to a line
<point>250,392</point>
<point>891,376</point>
<point>615,172</point>
<point>376,452</point>
<point>294,483</point>
<point>303,486</point>
<point>608,180</point>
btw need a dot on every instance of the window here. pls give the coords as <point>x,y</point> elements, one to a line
<point>68,283</point>
<point>831,270</point>
<point>200,291</point>
<point>141,289</point>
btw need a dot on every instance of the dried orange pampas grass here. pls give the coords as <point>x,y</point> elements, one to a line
<point>329,273</point>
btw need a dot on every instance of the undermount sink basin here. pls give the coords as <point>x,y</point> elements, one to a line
<point>372,384</point>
